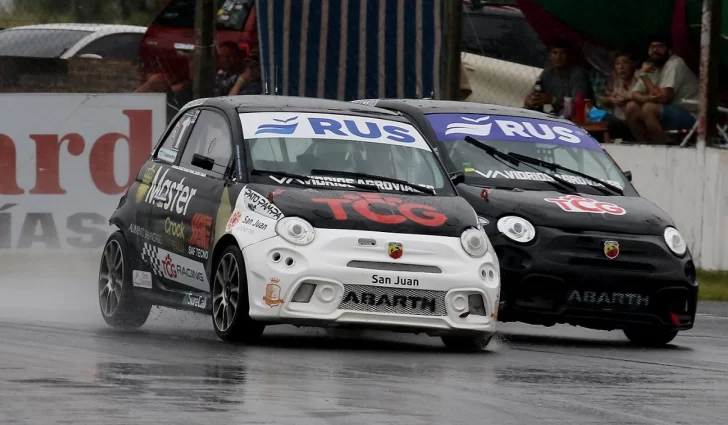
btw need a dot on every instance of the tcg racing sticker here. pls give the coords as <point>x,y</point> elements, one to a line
<point>579,204</point>
<point>175,267</point>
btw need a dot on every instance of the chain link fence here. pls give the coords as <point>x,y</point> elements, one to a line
<point>96,46</point>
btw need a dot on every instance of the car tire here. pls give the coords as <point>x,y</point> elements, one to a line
<point>230,293</point>
<point>650,337</point>
<point>119,306</point>
<point>467,344</point>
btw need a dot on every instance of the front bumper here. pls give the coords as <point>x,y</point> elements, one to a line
<point>565,277</point>
<point>435,287</point>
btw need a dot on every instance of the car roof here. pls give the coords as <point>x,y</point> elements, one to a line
<point>263,103</point>
<point>431,106</point>
<point>82,27</point>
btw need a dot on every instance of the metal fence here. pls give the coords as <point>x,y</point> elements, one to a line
<point>504,47</point>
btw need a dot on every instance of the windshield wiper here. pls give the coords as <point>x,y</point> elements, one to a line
<point>303,178</point>
<point>374,177</point>
<point>510,157</point>
<point>553,167</point>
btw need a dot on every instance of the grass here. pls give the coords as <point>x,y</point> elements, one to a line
<point>713,285</point>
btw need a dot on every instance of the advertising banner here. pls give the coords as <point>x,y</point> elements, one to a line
<point>65,161</point>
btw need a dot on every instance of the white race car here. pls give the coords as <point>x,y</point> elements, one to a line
<point>264,210</point>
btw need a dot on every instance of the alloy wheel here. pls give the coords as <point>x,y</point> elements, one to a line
<point>226,292</point>
<point>111,278</point>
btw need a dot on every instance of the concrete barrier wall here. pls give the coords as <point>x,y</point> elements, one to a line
<point>691,187</point>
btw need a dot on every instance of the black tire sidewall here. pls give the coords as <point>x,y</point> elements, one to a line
<point>131,310</point>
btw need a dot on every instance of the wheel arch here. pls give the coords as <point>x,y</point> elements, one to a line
<point>225,241</point>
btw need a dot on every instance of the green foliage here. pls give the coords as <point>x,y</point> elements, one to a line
<point>29,12</point>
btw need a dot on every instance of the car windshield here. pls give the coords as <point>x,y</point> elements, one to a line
<point>343,149</point>
<point>551,141</point>
<point>38,43</point>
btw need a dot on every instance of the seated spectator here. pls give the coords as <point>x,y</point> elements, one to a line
<point>231,66</point>
<point>663,82</point>
<point>560,79</point>
<point>248,82</point>
<point>619,89</point>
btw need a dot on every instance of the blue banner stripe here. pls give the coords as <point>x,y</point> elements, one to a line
<point>341,67</point>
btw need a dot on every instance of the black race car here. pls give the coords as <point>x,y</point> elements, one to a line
<point>262,210</point>
<point>576,242</point>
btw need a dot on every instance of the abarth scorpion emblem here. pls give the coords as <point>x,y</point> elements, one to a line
<point>611,249</point>
<point>395,250</point>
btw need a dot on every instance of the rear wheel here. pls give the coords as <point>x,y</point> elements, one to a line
<point>650,337</point>
<point>467,344</point>
<point>119,307</point>
<point>230,305</point>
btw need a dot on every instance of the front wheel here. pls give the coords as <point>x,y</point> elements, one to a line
<point>468,344</point>
<point>230,305</point>
<point>119,307</point>
<point>650,337</point>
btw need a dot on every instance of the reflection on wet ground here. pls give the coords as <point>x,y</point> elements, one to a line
<point>71,373</point>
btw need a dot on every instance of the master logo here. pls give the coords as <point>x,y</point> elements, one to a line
<point>395,250</point>
<point>611,249</point>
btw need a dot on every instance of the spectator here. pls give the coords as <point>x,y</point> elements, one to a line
<point>231,66</point>
<point>620,85</point>
<point>663,82</point>
<point>248,82</point>
<point>560,79</point>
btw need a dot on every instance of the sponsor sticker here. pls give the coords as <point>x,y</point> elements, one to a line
<point>142,279</point>
<point>174,228</point>
<point>397,281</point>
<point>175,267</point>
<point>143,233</point>
<point>200,237</point>
<point>250,225</point>
<point>170,195</point>
<point>198,301</point>
<point>331,126</point>
<point>329,181</point>
<point>449,127</point>
<point>257,203</point>
<point>273,293</point>
<point>580,204</point>
<point>402,302</point>
<point>538,176</point>
<point>399,212</point>
<point>234,219</point>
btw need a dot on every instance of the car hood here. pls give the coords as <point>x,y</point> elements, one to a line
<point>372,211</point>
<point>618,214</point>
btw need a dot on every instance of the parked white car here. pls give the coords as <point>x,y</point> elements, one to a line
<point>72,40</point>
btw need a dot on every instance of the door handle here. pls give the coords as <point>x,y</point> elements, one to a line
<point>160,198</point>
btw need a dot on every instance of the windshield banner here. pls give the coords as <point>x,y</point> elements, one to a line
<point>330,126</point>
<point>449,127</point>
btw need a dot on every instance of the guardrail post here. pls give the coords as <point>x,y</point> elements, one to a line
<point>709,69</point>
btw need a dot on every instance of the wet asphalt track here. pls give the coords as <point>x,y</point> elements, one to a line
<point>60,364</point>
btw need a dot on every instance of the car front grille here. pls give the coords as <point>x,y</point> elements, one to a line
<point>378,299</point>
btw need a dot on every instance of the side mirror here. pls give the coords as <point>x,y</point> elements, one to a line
<point>457,177</point>
<point>202,161</point>
<point>628,174</point>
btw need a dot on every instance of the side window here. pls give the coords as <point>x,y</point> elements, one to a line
<point>172,143</point>
<point>211,138</point>
<point>115,46</point>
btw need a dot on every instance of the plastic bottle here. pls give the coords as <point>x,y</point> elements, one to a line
<point>579,108</point>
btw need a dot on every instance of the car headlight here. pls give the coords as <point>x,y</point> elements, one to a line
<point>675,241</point>
<point>517,228</point>
<point>295,230</point>
<point>474,242</point>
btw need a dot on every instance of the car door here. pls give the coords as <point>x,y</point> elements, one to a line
<point>187,195</point>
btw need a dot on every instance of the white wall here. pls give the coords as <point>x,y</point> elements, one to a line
<point>692,188</point>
